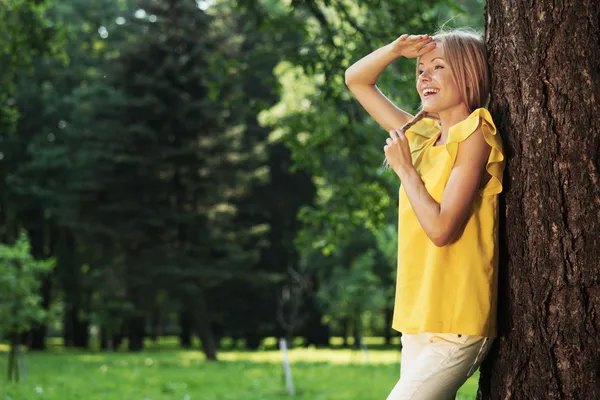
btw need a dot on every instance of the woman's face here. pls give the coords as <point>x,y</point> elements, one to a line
<point>435,82</point>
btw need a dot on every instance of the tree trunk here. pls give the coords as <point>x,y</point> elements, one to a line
<point>545,64</point>
<point>205,332</point>
<point>356,333</point>
<point>76,300</point>
<point>156,324</point>
<point>104,345</point>
<point>137,295</point>
<point>185,323</point>
<point>388,314</point>
<point>82,334</point>
<point>13,361</point>
<point>345,333</point>
<point>37,229</point>
<point>39,331</point>
<point>67,331</point>
<point>315,332</point>
<point>136,332</point>
<point>75,330</point>
<point>117,340</point>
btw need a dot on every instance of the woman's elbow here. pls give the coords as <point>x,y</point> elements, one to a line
<point>352,77</point>
<point>348,77</point>
<point>441,238</point>
<point>439,242</point>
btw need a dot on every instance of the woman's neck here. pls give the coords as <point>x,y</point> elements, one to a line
<point>451,117</point>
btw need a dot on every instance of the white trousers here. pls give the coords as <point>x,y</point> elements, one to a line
<point>435,365</point>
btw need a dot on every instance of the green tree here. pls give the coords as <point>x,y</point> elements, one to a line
<point>26,33</point>
<point>152,172</point>
<point>20,300</point>
<point>53,102</point>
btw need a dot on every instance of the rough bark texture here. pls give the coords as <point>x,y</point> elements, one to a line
<point>545,63</point>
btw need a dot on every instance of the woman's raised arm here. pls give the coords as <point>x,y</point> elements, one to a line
<point>362,76</point>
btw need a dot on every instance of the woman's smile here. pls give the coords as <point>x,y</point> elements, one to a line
<point>430,92</point>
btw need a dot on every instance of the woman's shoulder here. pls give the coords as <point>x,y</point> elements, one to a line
<point>480,118</point>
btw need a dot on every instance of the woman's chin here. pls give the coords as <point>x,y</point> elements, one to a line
<point>430,108</point>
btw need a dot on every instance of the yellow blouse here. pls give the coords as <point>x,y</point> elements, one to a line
<point>449,289</point>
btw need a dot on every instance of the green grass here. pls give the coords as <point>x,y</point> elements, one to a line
<point>163,372</point>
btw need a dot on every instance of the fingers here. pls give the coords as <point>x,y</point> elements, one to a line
<point>426,48</point>
<point>415,38</point>
<point>395,142</point>
<point>420,38</point>
<point>397,135</point>
<point>390,141</point>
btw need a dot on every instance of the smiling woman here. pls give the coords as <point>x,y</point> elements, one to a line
<point>450,163</point>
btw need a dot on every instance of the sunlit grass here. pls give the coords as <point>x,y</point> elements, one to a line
<point>346,356</point>
<point>165,372</point>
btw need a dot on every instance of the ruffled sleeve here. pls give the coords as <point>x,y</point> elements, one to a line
<point>495,164</point>
<point>420,133</point>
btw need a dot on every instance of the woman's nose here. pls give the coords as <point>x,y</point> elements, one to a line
<point>425,76</point>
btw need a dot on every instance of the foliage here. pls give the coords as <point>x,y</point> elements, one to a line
<point>25,33</point>
<point>20,273</point>
<point>146,159</point>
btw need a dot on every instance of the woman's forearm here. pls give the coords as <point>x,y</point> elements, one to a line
<point>366,70</point>
<point>425,207</point>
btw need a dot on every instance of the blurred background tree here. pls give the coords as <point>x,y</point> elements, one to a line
<point>20,301</point>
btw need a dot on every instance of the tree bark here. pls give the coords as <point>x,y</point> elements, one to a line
<point>75,330</point>
<point>136,334</point>
<point>13,360</point>
<point>315,332</point>
<point>186,318</point>
<point>76,298</point>
<point>157,326</point>
<point>82,333</point>
<point>388,315</point>
<point>205,331</point>
<point>345,332</point>
<point>103,339</point>
<point>37,229</point>
<point>545,64</point>
<point>357,332</point>
<point>39,331</point>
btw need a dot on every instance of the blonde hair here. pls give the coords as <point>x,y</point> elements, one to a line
<point>464,50</point>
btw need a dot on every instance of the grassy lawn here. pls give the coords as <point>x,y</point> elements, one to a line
<point>164,372</point>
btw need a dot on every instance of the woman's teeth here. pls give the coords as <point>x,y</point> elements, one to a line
<point>430,92</point>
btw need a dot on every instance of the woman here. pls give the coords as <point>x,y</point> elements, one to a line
<point>450,164</point>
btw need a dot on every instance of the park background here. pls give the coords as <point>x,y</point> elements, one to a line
<point>183,183</point>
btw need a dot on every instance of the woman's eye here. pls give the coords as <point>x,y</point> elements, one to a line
<point>439,66</point>
<point>420,72</point>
